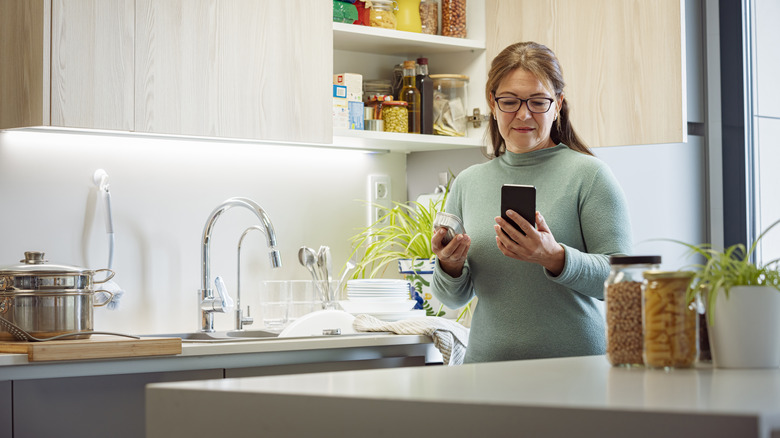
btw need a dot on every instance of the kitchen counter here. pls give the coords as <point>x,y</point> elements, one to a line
<point>272,351</point>
<point>580,396</point>
<point>114,389</point>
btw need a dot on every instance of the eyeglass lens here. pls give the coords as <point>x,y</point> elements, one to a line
<point>535,105</point>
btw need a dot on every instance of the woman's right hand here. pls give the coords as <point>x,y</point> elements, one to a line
<point>451,257</point>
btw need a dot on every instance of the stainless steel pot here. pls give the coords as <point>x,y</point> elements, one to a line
<point>47,299</point>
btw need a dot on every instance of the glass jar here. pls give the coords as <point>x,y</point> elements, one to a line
<point>668,319</point>
<point>623,308</point>
<point>383,14</point>
<point>377,89</point>
<point>395,116</point>
<point>453,18</point>
<point>408,16</point>
<point>429,17</point>
<point>449,105</point>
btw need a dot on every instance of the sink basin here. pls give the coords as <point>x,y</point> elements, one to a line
<point>322,323</point>
<point>219,336</point>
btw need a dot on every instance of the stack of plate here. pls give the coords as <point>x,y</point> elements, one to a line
<point>382,298</point>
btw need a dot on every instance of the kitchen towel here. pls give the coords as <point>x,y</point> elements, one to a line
<point>450,338</point>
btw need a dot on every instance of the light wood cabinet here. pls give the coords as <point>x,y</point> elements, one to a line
<point>623,62</point>
<point>240,69</point>
<point>67,63</point>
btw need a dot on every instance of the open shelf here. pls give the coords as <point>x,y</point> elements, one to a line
<point>365,39</point>
<point>398,142</point>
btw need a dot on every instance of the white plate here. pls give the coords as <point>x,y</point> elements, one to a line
<point>356,307</point>
<point>312,324</point>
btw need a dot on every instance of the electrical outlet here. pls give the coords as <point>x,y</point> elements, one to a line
<point>379,197</point>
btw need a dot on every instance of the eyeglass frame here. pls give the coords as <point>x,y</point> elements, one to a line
<point>522,101</point>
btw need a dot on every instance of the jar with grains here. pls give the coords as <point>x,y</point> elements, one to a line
<point>669,320</point>
<point>383,14</point>
<point>453,18</point>
<point>396,116</point>
<point>429,16</point>
<point>623,304</point>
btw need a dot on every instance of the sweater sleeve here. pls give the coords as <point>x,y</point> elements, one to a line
<point>606,230</point>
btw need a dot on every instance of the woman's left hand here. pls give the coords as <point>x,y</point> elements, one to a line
<point>537,246</point>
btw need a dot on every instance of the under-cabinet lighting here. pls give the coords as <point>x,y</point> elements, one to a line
<point>130,134</point>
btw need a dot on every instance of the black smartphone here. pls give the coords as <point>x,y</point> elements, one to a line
<point>520,198</point>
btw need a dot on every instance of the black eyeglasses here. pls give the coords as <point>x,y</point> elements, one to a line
<point>536,105</point>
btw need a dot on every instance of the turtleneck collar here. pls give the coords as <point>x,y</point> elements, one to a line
<point>530,158</point>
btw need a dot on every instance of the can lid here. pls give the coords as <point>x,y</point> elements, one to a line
<point>653,275</point>
<point>395,102</point>
<point>634,260</point>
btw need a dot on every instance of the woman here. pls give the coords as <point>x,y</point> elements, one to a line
<point>538,291</point>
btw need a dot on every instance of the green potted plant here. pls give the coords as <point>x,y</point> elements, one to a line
<point>402,237</point>
<point>742,304</point>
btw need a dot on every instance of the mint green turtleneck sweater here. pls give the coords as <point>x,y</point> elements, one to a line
<point>523,311</point>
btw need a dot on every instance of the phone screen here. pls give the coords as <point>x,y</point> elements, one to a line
<point>520,198</point>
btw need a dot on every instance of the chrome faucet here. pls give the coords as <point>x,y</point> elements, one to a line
<point>242,320</point>
<point>209,303</point>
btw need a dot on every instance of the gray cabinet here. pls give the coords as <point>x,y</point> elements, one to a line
<point>93,406</point>
<point>6,410</point>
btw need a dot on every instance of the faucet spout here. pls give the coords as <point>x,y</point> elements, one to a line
<point>206,307</point>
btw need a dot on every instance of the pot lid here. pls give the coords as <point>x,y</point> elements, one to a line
<point>35,264</point>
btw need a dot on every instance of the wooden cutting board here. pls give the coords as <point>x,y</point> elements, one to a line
<point>96,347</point>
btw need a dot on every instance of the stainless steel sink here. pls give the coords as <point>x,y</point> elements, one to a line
<point>219,336</point>
<point>238,336</point>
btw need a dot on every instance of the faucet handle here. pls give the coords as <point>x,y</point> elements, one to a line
<point>227,302</point>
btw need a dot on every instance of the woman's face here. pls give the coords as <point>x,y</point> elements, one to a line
<point>523,130</point>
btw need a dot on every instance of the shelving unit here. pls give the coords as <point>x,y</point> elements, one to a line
<point>373,52</point>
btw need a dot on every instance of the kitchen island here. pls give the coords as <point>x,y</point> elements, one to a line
<point>579,396</point>
<point>105,397</point>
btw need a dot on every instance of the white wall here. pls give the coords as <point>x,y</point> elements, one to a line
<point>162,193</point>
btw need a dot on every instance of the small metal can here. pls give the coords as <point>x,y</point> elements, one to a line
<point>451,223</point>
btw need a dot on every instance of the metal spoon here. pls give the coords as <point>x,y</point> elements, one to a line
<point>308,259</point>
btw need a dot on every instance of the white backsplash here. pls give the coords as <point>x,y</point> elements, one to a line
<point>162,194</point>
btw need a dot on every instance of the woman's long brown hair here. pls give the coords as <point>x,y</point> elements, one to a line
<point>541,62</point>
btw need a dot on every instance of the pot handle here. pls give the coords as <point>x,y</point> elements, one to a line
<point>109,276</point>
<point>110,297</point>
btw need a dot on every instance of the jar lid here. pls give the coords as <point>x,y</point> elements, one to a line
<point>634,260</point>
<point>654,275</point>
<point>460,77</point>
<point>395,102</point>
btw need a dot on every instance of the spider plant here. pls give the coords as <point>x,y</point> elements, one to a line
<point>728,268</point>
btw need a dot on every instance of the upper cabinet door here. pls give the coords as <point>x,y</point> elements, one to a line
<point>67,63</point>
<point>623,62</point>
<point>92,64</point>
<point>239,69</point>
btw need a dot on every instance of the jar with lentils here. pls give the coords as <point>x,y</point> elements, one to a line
<point>395,115</point>
<point>623,303</point>
<point>453,18</point>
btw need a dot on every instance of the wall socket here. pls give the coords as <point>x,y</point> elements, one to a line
<point>379,197</point>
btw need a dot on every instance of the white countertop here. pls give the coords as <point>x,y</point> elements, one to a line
<point>223,355</point>
<point>582,396</point>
